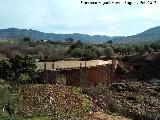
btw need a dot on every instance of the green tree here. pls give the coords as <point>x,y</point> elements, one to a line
<point>139,49</point>
<point>77,52</point>
<point>78,44</point>
<point>120,49</point>
<point>130,49</point>
<point>148,48</point>
<point>110,42</point>
<point>27,39</point>
<point>69,40</point>
<point>18,69</point>
<point>90,54</point>
<point>108,52</point>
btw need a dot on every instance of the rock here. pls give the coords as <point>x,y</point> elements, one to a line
<point>118,87</point>
<point>99,116</point>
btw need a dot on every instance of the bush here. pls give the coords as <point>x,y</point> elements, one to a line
<point>109,52</point>
<point>18,69</point>
<point>121,70</point>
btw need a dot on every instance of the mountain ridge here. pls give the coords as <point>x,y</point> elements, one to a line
<point>37,35</point>
<point>152,34</point>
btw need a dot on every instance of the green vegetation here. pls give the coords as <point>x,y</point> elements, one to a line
<point>6,117</point>
<point>77,89</point>
<point>85,103</point>
<point>53,51</point>
<point>18,69</point>
<point>109,52</point>
<point>121,70</point>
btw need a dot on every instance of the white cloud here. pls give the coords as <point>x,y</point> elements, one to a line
<point>67,16</point>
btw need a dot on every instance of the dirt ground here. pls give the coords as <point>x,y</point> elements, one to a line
<point>70,64</point>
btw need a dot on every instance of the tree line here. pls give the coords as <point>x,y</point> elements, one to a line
<point>57,50</point>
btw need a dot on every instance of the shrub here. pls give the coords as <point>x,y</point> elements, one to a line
<point>18,69</point>
<point>121,70</point>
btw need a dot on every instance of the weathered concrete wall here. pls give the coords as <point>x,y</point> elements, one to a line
<point>83,76</point>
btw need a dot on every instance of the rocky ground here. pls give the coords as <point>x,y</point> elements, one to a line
<point>49,102</point>
<point>60,103</point>
<point>134,100</point>
<point>138,101</point>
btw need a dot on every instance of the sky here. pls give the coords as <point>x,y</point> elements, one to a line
<point>73,16</point>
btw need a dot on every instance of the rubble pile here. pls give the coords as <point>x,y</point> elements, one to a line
<point>136,100</point>
<point>50,100</point>
<point>59,102</point>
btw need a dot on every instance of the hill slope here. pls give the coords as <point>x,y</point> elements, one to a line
<point>152,34</point>
<point>37,35</point>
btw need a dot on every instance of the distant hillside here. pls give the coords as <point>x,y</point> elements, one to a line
<point>37,35</point>
<point>152,34</point>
